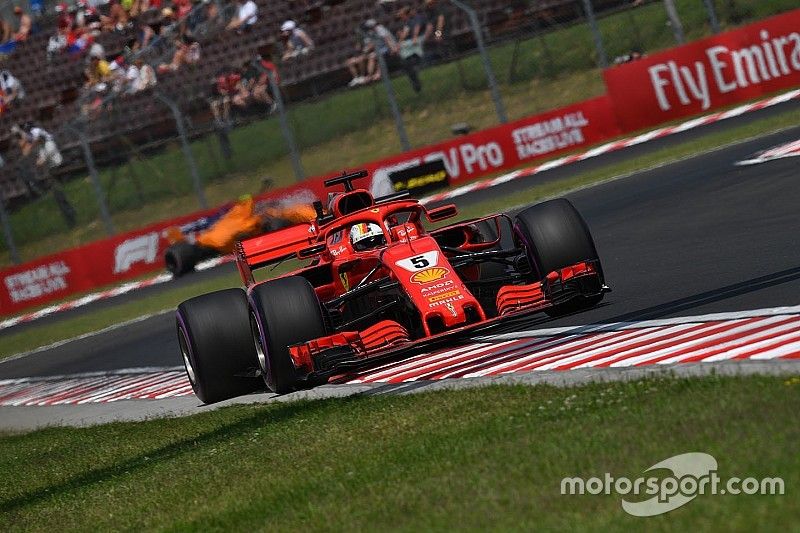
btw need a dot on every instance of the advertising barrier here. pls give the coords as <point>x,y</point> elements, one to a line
<point>421,178</point>
<point>503,147</point>
<point>731,67</point>
<point>133,254</point>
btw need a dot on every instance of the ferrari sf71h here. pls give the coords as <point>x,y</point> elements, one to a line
<point>378,283</point>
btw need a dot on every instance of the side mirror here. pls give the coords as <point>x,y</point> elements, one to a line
<point>440,213</point>
<point>311,251</point>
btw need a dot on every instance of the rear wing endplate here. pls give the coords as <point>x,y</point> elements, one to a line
<point>273,247</point>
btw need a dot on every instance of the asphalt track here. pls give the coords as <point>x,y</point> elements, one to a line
<point>697,236</point>
<point>508,190</point>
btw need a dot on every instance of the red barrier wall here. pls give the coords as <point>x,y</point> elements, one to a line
<point>732,67</point>
<point>138,252</point>
<point>728,68</point>
<point>510,145</point>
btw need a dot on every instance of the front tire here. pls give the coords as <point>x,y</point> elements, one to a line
<point>556,236</point>
<point>217,346</point>
<point>285,312</point>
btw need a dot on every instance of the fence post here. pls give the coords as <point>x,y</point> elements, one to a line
<point>95,178</point>
<point>294,154</point>
<point>675,21</point>
<point>602,57</point>
<point>712,16</point>
<point>487,65</point>
<point>8,234</point>
<point>187,149</point>
<point>392,97</point>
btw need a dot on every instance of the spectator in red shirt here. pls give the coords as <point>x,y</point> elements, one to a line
<point>64,20</point>
<point>227,85</point>
<point>181,8</point>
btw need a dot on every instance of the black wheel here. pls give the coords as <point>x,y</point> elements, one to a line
<point>217,345</point>
<point>284,312</point>
<point>181,258</point>
<point>556,236</point>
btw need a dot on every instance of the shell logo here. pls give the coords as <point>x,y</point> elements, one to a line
<point>429,275</point>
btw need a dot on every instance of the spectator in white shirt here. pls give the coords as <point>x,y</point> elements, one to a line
<point>145,76</point>
<point>31,137</point>
<point>296,40</point>
<point>10,87</point>
<point>246,16</point>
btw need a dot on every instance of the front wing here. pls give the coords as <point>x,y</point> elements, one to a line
<point>342,352</point>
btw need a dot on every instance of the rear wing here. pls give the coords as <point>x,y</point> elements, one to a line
<point>272,248</point>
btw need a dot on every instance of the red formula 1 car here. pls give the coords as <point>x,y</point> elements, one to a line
<point>377,283</point>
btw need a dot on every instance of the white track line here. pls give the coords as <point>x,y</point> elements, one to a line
<point>454,193</point>
<point>613,326</point>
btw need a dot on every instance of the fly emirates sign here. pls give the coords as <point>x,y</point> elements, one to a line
<point>731,67</point>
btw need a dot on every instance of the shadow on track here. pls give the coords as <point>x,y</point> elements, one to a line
<point>716,295</point>
<point>662,310</point>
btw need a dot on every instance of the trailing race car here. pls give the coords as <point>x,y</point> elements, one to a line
<point>218,234</point>
<point>377,283</point>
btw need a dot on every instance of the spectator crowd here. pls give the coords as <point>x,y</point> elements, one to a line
<point>162,37</point>
<point>419,39</point>
<point>177,27</point>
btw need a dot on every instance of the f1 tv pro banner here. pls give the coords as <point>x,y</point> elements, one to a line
<point>732,67</point>
<point>133,254</point>
<point>508,146</point>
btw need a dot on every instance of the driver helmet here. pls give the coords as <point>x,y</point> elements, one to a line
<point>366,236</point>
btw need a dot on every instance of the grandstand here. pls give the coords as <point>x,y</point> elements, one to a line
<point>54,86</point>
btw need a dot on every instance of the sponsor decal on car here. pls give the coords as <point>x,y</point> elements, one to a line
<point>430,275</point>
<point>336,252</point>
<point>419,262</point>
<point>439,288</point>
<point>447,301</point>
<point>444,296</point>
<point>345,280</point>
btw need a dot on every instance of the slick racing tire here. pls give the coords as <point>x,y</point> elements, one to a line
<point>284,312</point>
<point>556,236</point>
<point>217,346</point>
<point>181,258</point>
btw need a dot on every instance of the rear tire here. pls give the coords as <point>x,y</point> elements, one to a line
<point>556,236</point>
<point>285,311</point>
<point>217,346</point>
<point>181,258</point>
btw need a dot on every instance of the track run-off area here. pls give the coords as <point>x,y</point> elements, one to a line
<point>702,255</point>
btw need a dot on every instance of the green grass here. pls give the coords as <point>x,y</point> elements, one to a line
<point>30,338</point>
<point>476,459</point>
<point>347,128</point>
